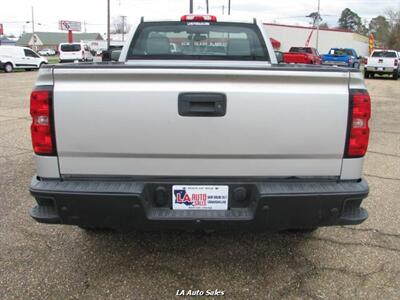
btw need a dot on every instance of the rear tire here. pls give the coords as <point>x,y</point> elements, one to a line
<point>366,74</point>
<point>395,75</point>
<point>8,68</point>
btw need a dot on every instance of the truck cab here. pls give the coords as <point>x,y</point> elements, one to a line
<point>344,57</point>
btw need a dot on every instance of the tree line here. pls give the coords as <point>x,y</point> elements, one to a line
<point>386,28</point>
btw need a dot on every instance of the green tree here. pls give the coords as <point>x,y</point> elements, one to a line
<point>316,17</point>
<point>351,21</point>
<point>381,28</point>
<point>393,41</point>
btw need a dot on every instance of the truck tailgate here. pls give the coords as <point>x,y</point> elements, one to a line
<point>125,122</point>
<point>383,62</point>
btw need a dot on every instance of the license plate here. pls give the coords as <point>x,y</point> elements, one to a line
<point>380,69</point>
<point>208,197</point>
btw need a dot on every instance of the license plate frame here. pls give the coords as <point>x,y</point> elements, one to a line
<point>200,197</point>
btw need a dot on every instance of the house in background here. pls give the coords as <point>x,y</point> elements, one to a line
<point>44,40</point>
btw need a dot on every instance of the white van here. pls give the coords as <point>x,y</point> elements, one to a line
<point>14,57</point>
<point>70,52</point>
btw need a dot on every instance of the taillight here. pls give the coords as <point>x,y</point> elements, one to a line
<point>198,18</point>
<point>366,61</point>
<point>360,113</point>
<point>41,128</point>
<point>396,62</point>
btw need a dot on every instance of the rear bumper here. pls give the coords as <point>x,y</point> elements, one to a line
<point>133,205</point>
<point>381,70</point>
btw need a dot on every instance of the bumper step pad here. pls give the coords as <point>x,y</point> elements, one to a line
<point>353,216</point>
<point>45,214</point>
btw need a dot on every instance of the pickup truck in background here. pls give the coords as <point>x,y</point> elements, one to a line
<point>302,55</point>
<point>344,57</point>
<point>382,62</point>
<point>212,135</point>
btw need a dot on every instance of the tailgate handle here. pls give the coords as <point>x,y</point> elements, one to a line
<point>202,104</point>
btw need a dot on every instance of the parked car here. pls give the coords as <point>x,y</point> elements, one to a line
<point>194,139</point>
<point>279,56</point>
<point>302,55</point>
<point>47,52</point>
<point>71,52</point>
<point>14,57</point>
<point>344,57</point>
<point>382,62</point>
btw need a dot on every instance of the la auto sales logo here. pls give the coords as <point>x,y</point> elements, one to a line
<point>195,199</point>
<point>206,293</point>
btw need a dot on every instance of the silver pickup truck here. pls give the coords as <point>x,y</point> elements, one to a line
<point>197,127</point>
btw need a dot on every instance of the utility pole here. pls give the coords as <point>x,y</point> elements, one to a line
<point>208,10</point>
<point>108,24</point>
<point>123,26</point>
<point>229,7</point>
<point>318,20</point>
<point>33,31</point>
<point>191,6</point>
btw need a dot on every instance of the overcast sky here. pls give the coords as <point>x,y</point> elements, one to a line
<point>15,13</point>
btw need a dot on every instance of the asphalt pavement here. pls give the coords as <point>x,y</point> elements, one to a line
<point>61,262</point>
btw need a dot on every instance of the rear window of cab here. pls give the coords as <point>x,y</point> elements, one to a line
<point>300,50</point>
<point>70,47</point>
<point>390,54</point>
<point>198,40</point>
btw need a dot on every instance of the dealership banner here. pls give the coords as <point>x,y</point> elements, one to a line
<point>70,25</point>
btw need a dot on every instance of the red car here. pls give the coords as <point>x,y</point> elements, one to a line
<point>302,55</point>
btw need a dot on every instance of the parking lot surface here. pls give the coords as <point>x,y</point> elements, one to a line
<point>60,262</point>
